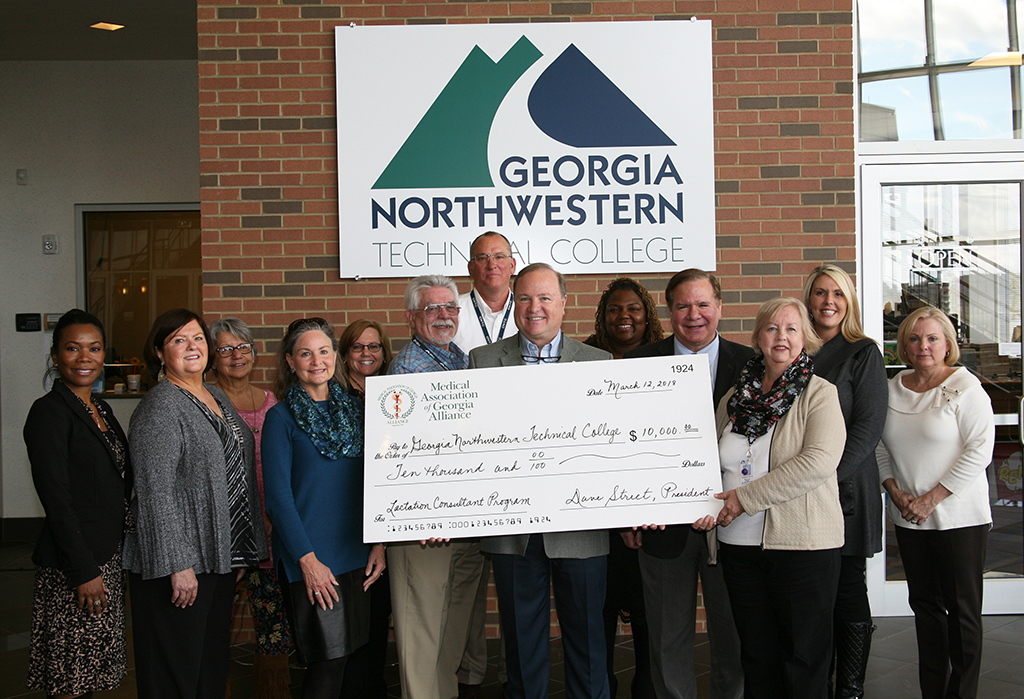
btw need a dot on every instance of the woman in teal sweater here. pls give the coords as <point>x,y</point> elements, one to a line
<point>313,478</point>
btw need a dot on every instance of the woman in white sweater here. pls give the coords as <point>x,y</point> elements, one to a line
<point>937,443</point>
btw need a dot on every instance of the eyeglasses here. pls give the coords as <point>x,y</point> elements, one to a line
<point>227,351</point>
<point>484,257</point>
<point>434,309</point>
<point>530,359</point>
<point>374,348</point>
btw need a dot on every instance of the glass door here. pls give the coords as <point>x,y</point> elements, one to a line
<point>949,236</point>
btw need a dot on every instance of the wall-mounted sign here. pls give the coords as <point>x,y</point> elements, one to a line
<point>589,145</point>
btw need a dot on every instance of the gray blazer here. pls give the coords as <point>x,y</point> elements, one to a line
<point>181,506</point>
<point>584,544</point>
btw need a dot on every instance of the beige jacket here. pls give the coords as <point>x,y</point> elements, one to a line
<point>799,494</point>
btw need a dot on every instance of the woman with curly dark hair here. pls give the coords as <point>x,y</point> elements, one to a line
<point>626,318</point>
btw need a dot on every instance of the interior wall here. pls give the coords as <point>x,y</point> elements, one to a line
<point>88,133</point>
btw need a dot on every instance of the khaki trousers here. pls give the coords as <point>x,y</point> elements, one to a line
<point>433,588</point>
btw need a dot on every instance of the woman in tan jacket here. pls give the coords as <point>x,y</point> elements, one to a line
<point>781,434</point>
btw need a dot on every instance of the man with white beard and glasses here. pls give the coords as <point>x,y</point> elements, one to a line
<point>430,633</point>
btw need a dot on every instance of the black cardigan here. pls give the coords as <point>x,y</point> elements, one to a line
<point>77,480</point>
<point>858,372</point>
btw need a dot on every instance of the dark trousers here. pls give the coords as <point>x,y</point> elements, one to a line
<point>182,653</point>
<point>626,594</point>
<point>944,570</point>
<point>364,674</point>
<point>852,595</point>
<point>782,602</point>
<point>524,602</point>
<point>670,598</point>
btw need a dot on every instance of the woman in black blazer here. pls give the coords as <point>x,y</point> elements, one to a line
<point>81,472</point>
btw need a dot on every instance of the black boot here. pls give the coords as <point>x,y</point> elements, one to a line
<point>853,644</point>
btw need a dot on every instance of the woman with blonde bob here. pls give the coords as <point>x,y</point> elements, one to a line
<point>852,362</point>
<point>938,441</point>
<point>781,433</point>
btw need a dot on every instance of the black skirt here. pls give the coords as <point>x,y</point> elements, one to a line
<point>326,634</point>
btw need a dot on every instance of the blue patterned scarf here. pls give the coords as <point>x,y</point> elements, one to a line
<point>335,431</point>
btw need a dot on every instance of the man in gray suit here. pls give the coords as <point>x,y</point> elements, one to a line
<point>525,566</point>
<point>671,559</point>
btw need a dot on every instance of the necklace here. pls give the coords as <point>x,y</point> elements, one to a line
<point>252,399</point>
<point>94,414</point>
<point>359,390</point>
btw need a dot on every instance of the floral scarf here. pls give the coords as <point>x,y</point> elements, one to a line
<point>752,413</point>
<point>335,431</point>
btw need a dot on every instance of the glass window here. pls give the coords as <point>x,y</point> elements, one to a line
<point>974,104</point>
<point>965,31</point>
<point>891,34</point>
<point>959,92</point>
<point>896,110</point>
<point>956,246</point>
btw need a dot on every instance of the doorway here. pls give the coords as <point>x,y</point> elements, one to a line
<point>949,235</point>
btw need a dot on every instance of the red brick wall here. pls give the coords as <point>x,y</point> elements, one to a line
<point>784,151</point>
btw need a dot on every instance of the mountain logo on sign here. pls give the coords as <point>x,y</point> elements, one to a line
<point>572,102</point>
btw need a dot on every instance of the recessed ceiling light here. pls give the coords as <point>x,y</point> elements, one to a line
<point>107,25</point>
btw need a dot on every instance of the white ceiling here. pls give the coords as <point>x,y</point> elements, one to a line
<point>58,30</point>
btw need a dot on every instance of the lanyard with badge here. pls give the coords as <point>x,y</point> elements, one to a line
<point>437,359</point>
<point>480,318</point>
<point>747,463</point>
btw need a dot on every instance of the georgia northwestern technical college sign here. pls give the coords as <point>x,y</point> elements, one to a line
<point>588,145</point>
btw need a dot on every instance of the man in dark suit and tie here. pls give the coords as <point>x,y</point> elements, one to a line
<point>526,565</point>
<point>670,560</point>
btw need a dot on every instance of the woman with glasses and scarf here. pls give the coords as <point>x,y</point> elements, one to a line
<point>313,475</point>
<point>781,434</point>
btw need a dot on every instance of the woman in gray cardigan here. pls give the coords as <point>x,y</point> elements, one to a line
<point>197,513</point>
<point>852,362</point>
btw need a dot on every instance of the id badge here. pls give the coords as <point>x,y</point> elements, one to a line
<point>746,469</point>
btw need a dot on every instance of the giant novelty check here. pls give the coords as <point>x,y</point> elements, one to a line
<point>527,449</point>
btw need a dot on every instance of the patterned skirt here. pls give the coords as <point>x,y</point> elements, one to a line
<point>269,620</point>
<point>73,652</point>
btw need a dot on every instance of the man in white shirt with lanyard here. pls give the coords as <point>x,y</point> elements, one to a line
<point>487,308</point>
<point>486,317</point>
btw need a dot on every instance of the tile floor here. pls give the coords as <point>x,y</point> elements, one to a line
<point>892,673</point>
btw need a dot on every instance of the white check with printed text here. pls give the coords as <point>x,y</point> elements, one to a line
<point>529,449</point>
